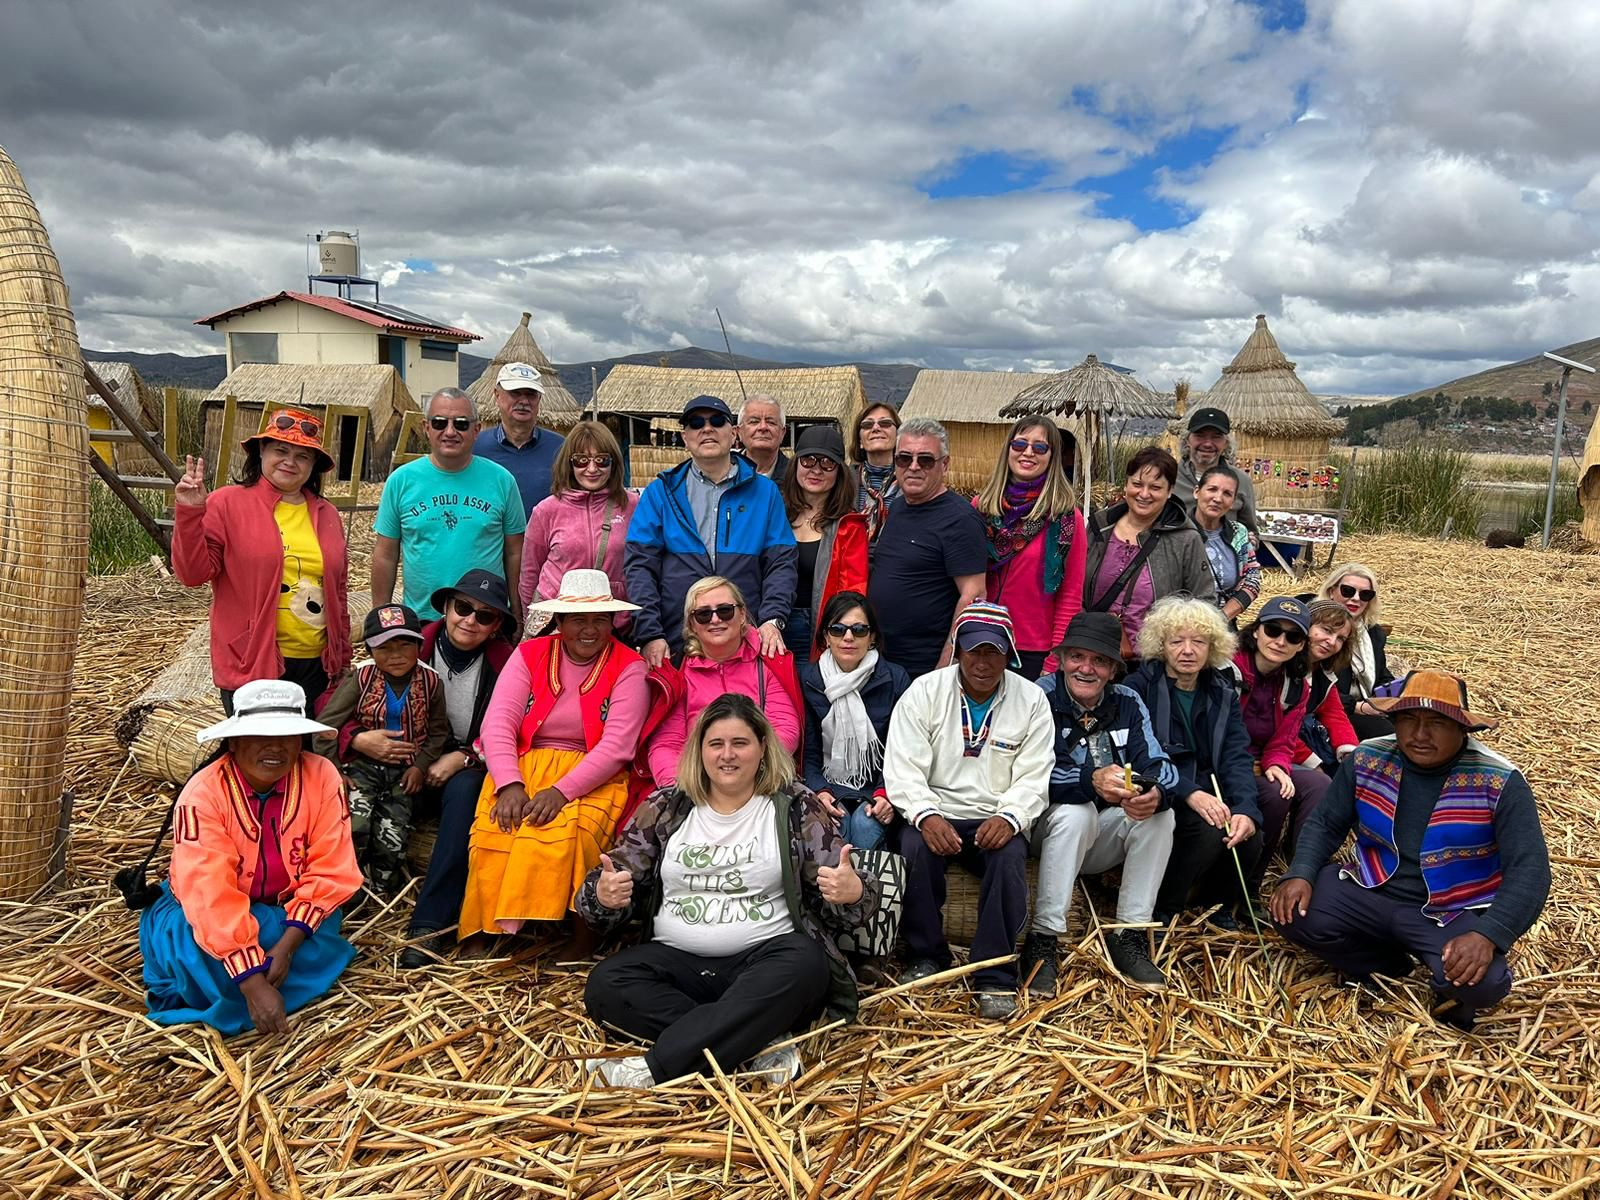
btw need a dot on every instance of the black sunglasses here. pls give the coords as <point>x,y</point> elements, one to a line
<point>1289,633</point>
<point>699,421</point>
<point>462,424</point>
<point>923,462</point>
<point>816,462</point>
<point>465,608</point>
<point>722,612</point>
<point>839,629</point>
<point>591,460</point>
<point>1350,593</point>
<point>1021,444</point>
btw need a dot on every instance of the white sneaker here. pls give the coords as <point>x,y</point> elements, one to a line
<point>777,1067</point>
<point>630,1072</point>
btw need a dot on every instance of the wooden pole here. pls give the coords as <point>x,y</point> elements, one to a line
<point>133,424</point>
<point>140,513</point>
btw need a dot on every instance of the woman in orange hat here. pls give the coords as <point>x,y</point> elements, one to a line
<point>274,554</point>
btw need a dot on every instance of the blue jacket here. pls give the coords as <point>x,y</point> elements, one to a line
<point>878,695</point>
<point>1219,725</point>
<point>1123,719</point>
<point>665,556</point>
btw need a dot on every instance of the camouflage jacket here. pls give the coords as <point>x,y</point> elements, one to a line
<point>813,840</point>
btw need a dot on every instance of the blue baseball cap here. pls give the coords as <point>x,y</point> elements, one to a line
<point>1286,608</point>
<point>714,404</point>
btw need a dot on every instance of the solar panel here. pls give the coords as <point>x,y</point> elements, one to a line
<point>396,313</point>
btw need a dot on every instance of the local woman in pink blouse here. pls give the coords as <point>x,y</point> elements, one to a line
<point>560,733</point>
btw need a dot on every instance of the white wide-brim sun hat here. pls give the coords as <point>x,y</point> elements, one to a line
<point>584,591</point>
<point>265,708</point>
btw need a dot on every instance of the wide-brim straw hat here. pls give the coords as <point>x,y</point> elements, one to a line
<point>1436,691</point>
<point>265,708</point>
<point>583,591</point>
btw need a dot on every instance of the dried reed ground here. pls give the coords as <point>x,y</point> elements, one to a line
<point>1254,1076</point>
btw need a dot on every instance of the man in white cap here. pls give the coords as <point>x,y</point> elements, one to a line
<point>517,443</point>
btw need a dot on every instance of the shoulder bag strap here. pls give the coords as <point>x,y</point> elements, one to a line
<point>605,535</point>
<point>1128,576</point>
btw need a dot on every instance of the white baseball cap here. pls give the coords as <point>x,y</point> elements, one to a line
<point>520,377</point>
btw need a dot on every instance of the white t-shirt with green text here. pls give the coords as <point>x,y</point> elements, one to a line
<point>722,882</point>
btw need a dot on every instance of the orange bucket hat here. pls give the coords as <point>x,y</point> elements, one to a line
<point>294,427</point>
<point>1437,691</point>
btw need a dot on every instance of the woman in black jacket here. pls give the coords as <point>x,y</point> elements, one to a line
<point>1186,685</point>
<point>1356,587</point>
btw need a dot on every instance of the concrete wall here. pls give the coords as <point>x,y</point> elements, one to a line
<point>307,334</point>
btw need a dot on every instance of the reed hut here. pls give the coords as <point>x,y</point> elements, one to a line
<point>1280,430</point>
<point>1589,484</point>
<point>968,404</point>
<point>44,489</point>
<point>143,400</point>
<point>558,410</point>
<point>646,403</point>
<point>378,390</point>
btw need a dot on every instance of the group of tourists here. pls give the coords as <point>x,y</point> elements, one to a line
<point>766,704</point>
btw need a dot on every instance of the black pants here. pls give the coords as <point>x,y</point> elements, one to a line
<point>1002,901</point>
<point>1032,663</point>
<point>687,1004</point>
<point>445,886</point>
<point>307,672</point>
<point>1200,870</point>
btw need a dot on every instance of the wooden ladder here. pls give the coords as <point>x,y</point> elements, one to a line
<point>159,528</point>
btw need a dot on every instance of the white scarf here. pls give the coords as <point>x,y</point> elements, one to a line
<point>1363,663</point>
<point>849,742</point>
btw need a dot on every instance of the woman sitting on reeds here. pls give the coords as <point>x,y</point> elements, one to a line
<point>273,551</point>
<point>832,536</point>
<point>562,728</point>
<point>1228,547</point>
<point>742,882</point>
<point>246,930</point>
<point>1326,736</point>
<point>1356,587</point>
<point>1037,543</point>
<point>1188,688</point>
<point>1144,547</point>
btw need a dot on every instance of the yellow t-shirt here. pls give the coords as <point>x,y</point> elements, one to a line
<point>302,623</point>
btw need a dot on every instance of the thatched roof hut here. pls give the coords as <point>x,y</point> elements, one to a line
<point>651,398</point>
<point>968,404</point>
<point>377,389</point>
<point>143,400</point>
<point>558,410</point>
<point>1280,430</point>
<point>1589,484</point>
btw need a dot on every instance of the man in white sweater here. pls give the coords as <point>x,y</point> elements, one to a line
<point>967,765</point>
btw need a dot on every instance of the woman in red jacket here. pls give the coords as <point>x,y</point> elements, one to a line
<point>274,554</point>
<point>819,495</point>
<point>1326,734</point>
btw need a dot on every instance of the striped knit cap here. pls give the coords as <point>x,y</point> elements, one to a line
<point>984,622</point>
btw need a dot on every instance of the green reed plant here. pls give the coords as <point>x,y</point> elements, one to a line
<point>1420,488</point>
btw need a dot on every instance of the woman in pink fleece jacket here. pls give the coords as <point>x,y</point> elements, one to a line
<point>583,523</point>
<point>722,653</point>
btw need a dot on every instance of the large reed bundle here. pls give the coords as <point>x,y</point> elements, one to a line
<point>44,543</point>
<point>165,747</point>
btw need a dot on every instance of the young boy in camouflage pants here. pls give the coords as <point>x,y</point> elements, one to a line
<point>391,721</point>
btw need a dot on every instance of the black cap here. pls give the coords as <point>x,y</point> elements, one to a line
<point>709,404</point>
<point>823,440</point>
<point>482,587</point>
<point>1209,418</point>
<point>1098,632</point>
<point>390,621</point>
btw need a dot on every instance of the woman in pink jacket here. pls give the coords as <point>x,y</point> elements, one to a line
<point>583,524</point>
<point>722,653</point>
<point>274,554</point>
<point>1036,538</point>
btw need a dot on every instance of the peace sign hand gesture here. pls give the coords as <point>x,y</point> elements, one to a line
<point>191,489</point>
<point>840,884</point>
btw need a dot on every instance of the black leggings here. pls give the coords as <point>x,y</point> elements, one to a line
<point>307,672</point>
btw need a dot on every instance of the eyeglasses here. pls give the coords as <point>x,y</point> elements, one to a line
<point>1350,593</point>
<point>465,609</point>
<point>602,461</point>
<point>816,462</point>
<point>1287,633</point>
<point>722,612</point>
<point>699,421</point>
<point>309,426</point>
<point>1021,444</point>
<point>838,629</point>
<point>878,423</point>
<point>923,462</point>
<point>461,424</point>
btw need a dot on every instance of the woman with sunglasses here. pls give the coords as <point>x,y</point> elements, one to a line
<point>273,551</point>
<point>1037,543</point>
<point>832,537</point>
<point>722,653</point>
<point>1356,587</point>
<point>560,733</point>
<point>1228,549</point>
<point>583,523</point>
<point>468,649</point>
<point>849,694</point>
<point>872,452</point>
<point>1326,735</point>
<point>1272,663</point>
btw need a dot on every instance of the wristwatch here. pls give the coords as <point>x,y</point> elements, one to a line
<point>780,622</point>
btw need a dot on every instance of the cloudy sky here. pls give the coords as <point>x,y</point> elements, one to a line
<point>1410,189</point>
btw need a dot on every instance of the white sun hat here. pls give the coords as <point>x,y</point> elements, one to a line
<point>584,591</point>
<point>265,708</point>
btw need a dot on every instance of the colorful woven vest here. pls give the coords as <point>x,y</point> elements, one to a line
<point>413,712</point>
<point>1460,858</point>
<point>594,694</point>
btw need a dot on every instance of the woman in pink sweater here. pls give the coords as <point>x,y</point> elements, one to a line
<point>583,523</point>
<point>560,732</point>
<point>1037,542</point>
<point>722,653</point>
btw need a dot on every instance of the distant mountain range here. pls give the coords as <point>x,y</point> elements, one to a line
<point>1527,379</point>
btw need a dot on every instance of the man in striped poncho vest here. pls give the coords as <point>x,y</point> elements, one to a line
<point>1450,864</point>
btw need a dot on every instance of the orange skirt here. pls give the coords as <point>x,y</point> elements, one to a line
<point>533,873</point>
